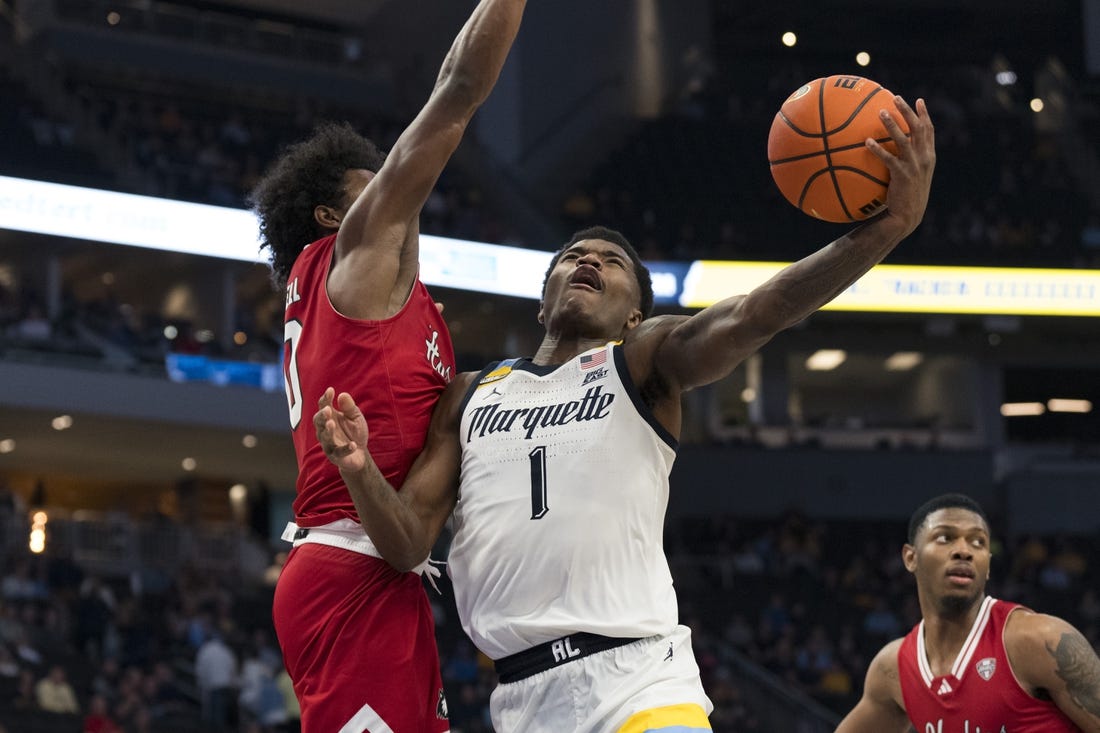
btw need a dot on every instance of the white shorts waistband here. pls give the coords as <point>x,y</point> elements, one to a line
<point>348,538</point>
<point>348,535</point>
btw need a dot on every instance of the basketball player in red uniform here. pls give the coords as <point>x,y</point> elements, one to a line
<point>975,664</point>
<point>357,636</point>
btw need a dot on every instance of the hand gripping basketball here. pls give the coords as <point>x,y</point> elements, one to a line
<point>818,150</point>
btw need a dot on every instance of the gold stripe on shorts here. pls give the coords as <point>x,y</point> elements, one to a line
<point>688,718</point>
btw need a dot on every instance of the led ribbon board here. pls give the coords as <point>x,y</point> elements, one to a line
<point>215,231</point>
<point>921,289</point>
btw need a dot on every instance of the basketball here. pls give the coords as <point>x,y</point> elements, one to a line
<point>817,153</point>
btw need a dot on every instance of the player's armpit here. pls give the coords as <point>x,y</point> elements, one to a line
<point>708,346</point>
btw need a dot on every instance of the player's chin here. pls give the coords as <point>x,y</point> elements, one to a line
<point>959,600</point>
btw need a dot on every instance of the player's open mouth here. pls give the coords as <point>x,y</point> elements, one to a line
<point>588,276</point>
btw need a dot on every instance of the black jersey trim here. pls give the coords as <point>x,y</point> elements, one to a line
<point>636,397</point>
<point>474,384</point>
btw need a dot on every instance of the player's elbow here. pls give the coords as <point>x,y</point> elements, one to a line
<point>402,564</point>
<point>408,559</point>
<point>406,551</point>
<point>461,90</point>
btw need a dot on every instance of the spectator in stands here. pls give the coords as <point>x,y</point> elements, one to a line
<point>775,618</point>
<point>54,694</point>
<point>11,503</point>
<point>185,341</point>
<point>34,325</point>
<point>161,691</point>
<point>129,703</point>
<point>462,667</point>
<point>9,306</point>
<point>260,695</point>
<point>9,667</point>
<point>98,719</point>
<point>739,633</point>
<point>1089,607</point>
<point>25,698</point>
<point>20,583</point>
<point>105,682</point>
<point>814,657</point>
<point>290,700</point>
<point>216,675</point>
<point>25,650</point>
<point>467,709</point>
<point>836,683</point>
<point>881,622</point>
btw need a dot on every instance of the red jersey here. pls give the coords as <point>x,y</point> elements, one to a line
<point>395,369</point>
<point>981,694</point>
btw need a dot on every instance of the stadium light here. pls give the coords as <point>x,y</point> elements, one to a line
<point>1064,405</point>
<point>826,360</point>
<point>1022,409</point>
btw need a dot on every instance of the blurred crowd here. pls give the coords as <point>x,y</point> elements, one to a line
<point>116,655</point>
<point>691,184</point>
<point>130,336</point>
<point>807,602</point>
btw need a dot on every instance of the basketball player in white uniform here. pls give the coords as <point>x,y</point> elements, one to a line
<point>557,468</point>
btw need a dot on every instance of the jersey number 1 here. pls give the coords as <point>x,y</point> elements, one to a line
<point>538,482</point>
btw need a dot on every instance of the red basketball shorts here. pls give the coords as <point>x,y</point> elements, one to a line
<point>358,640</point>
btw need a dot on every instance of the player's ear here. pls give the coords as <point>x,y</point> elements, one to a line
<point>540,316</point>
<point>634,319</point>
<point>327,217</point>
<point>909,557</point>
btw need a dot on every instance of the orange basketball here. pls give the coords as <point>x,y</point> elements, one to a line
<point>817,153</point>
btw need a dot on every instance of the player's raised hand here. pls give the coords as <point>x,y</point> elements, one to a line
<point>341,430</point>
<point>911,169</point>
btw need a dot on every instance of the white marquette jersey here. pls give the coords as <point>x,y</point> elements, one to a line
<point>560,518</point>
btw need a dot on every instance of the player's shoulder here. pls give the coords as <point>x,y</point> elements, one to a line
<point>1029,630</point>
<point>883,681</point>
<point>459,385</point>
<point>454,398</point>
<point>651,333</point>
<point>887,658</point>
<point>1032,640</point>
<point>462,381</point>
<point>655,325</point>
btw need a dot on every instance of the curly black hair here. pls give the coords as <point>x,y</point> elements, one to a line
<point>308,174</point>
<point>641,272</point>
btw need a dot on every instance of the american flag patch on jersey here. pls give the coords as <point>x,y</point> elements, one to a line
<point>589,361</point>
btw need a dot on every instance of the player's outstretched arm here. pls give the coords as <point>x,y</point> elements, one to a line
<point>377,235</point>
<point>707,346</point>
<point>1048,655</point>
<point>879,711</point>
<point>403,525</point>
